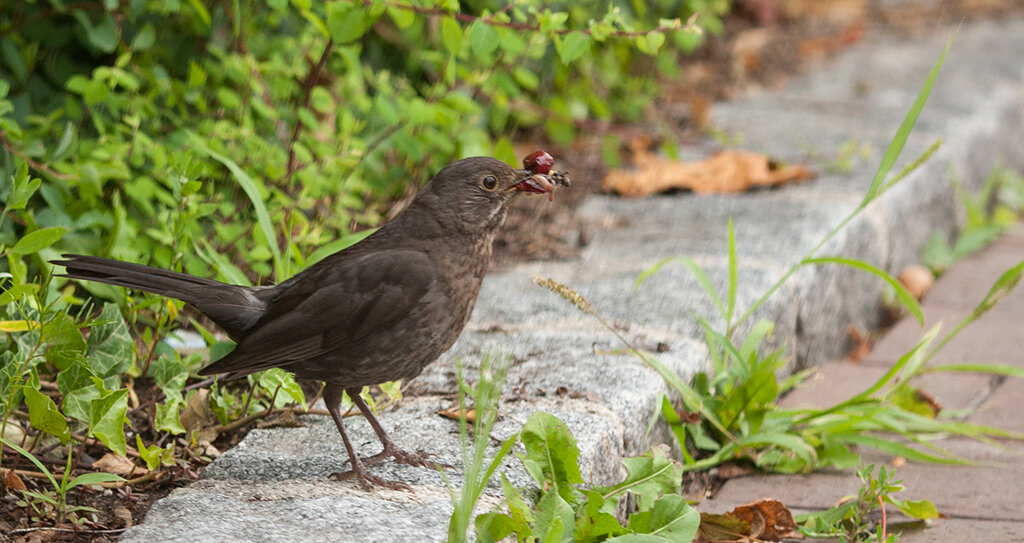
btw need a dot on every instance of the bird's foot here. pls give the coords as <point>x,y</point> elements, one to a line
<point>368,480</point>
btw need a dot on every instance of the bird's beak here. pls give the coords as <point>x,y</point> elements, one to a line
<point>536,183</point>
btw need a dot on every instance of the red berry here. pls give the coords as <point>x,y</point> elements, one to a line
<point>538,162</point>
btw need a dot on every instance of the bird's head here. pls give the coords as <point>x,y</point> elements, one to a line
<point>475,192</point>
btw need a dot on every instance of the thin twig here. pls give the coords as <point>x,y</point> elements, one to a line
<point>307,88</point>
<point>35,164</point>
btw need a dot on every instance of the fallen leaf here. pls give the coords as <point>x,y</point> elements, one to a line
<point>829,44</point>
<point>198,417</point>
<point>761,520</point>
<point>118,465</point>
<point>454,414</point>
<point>863,341</point>
<point>726,171</point>
<point>124,515</point>
<point>12,481</point>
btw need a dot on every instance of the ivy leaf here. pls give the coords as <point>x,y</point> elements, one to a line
<point>109,347</point>
<point>44,415</point>
<point>168,416</point>
<point>66,344</point>
<point>451,35</point>
<point>107,418</point>
<point>277,378</point>
<point>37,240</point>
<point>573,46</point>
<point>597,523</point>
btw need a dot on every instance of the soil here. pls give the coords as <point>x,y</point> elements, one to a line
<point>765,43</point>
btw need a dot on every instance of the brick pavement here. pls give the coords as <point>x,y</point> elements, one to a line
<point>981,503</point>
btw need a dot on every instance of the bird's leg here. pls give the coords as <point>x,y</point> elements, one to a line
<point>332,397</point>
<point>420,458</point>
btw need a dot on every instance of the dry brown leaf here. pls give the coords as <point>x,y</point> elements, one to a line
<point>726,171</point>
<point>453,413</point>
<point>198,417</point>
<point>118,465</point>
<point>12,481</point>
<point>863,342</point>
<point>761,520</point>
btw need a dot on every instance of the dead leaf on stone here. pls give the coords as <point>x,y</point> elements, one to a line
<point>761,520</point>
<point>118,465</point>
<point>862,340</point>
<point>453,413</point>
<point>12,481</point>
<point>725,172</point>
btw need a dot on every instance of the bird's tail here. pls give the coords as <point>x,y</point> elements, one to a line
<point>136,276</point>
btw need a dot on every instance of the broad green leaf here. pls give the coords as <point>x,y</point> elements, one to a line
<point>144,38</point>
<point>597,523</point>
<point>37,240</point>
<point>170,374</point>
<point>574,44</point>
<point>505,152</point>
<point>109,347</point>
<point>451,35</point>
<point>403,18</point>
<point>483,39</point>
<point>168,416</point>
<point>44,415</point>
<point>651,42</point>
<point>290,391</point>
<point>671,517</point>
<point>921,509</point>
<point>77,390</point>
<point>551,453</point>
<point>65,344</point>
<point>648,477</point>
<point>555,519</point>
<point>107,418</point>
<point>493,527</point>
<point>757,392</point>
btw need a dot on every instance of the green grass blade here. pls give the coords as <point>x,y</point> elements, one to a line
<point>251,189</point>
<point>996,369</point>
<point>731,309</point>
<point>34,460</point>
<point>904,295</point>
<point>895,148</point>
<point>889,446</point>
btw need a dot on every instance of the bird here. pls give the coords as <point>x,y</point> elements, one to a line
<point>380,310</point>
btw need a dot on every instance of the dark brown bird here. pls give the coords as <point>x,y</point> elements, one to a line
<point>377,311</point>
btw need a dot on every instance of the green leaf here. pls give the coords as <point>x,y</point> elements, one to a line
<point>94,478</point>
<point>24,187</point>
<point>671,518</point>
<point>551,453</point>
<point>555,519</point>
<point>44,415</point>
<point>597,523</point>
<point>648,478</point>
<point>505,152</point>
<point>107,418</point>
<point>492,527</point>
<point>275,378</point>
<point>37,240</point>
<point>347,23</point>
<point>145,38</point>
<point>920,509</point>
<point>65,344</point>
<point>451,35</point>
<point>997,369</point>
<point>67,139</point>
<point>574,44</point>
<point>403,18</point>
<point>168,416</point>
<point>483,39</point>
<point>170,374</point>
<point>651,42</point>
<point>110,346</point>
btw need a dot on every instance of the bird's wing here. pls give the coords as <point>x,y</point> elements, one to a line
<point>331,307</point>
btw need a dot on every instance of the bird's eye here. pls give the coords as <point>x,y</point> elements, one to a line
<point>489,182</point>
